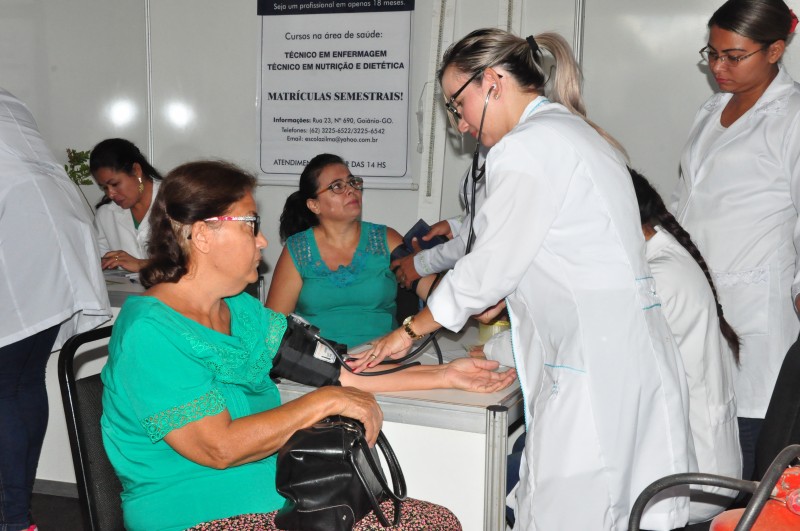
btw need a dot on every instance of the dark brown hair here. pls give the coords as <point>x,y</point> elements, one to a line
<point>296,217</point>
<point>119,155</point>
<point>191,192</point>
<point>762,21</point>
<point>652,211</point>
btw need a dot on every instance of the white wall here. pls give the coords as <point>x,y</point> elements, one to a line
<point>71,60</point>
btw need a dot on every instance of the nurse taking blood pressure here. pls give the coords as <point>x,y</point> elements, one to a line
<point>558,238</point>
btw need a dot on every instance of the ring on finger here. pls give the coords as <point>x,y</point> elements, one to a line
<point>373,356</point>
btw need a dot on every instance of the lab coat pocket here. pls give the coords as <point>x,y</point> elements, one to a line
<point>723,413</point>
<point>744,296</point>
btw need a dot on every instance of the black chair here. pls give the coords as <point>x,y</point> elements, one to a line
<point>99,488</point>
<point>780,430</point>
<point>409,303</point>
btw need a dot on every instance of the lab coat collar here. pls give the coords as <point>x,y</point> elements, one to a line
<point>532,108</point>
<point>774,101</point>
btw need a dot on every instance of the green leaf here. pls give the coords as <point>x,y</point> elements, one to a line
<point>77,167</point>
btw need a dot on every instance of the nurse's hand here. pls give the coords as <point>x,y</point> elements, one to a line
<point>477,375</point>
<point>440,228</point>
<point>114,259</point>
<point>393,345</point>
<point>489,314</point>
<point>404,268</point>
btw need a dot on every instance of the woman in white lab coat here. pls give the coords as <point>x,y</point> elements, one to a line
<point>708,345</point>
<point>130,184</point>
<point>739,190</point>
<point>558,238</point>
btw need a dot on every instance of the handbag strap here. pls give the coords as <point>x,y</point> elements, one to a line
<point>398,493</point>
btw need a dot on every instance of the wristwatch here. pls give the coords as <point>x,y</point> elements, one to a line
<point>407,322</point>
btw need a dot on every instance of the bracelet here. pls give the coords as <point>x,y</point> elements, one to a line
<point>407,322</point>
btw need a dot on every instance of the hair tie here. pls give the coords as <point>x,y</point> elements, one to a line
<point>794,22</point>
<point>532,45</point>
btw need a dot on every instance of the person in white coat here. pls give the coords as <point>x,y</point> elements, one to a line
<point>606,405</point>
<point>51,288</point>
<point>442,257</point>
<point>738,195</point>
<point>708,345</point>
<point>130,184</point>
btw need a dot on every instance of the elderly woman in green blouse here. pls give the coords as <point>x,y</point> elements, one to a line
<point>191,419</point>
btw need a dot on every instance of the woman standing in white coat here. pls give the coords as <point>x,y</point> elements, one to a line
<point>130,184</point>
<point>558,238</point>
<point>708,345</point>
<point>739,190</point>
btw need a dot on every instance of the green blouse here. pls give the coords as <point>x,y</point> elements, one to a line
<point>355,303</point>
<point>164,371</point>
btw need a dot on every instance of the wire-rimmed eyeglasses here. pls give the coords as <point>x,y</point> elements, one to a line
<point>710,56</point>
<point>340,185</point>
<point>253,221</point>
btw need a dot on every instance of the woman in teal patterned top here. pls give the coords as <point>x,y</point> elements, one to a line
<point>334,270</point>
<point>191,421</point>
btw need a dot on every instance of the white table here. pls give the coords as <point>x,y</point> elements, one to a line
<point>452,447</point>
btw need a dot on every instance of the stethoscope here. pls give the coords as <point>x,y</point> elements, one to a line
<point>477,173</point>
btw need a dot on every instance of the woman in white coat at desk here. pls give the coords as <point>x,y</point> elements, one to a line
<point>738,194</point>
<point>558,238</point>
<point>130,184</point>
<point>708,345</point>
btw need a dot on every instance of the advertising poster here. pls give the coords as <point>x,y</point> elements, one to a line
<point>335,79</point>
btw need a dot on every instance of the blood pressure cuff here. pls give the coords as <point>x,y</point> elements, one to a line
<point>419,230</point>
<point>304,357</point>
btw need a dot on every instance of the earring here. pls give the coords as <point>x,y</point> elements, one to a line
<point>141,185</point>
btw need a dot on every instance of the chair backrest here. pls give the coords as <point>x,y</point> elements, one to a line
<point>99,488</point>
<point>781,426</point>
<point>407,303</point>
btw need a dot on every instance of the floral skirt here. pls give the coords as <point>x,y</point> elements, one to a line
<point>416,515</point>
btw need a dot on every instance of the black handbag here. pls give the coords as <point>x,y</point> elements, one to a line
<point>331,479</point>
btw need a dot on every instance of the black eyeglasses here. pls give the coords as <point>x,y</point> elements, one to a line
<point>339,185</point>
<point>450,104</point>
<point>711,56</point>
<point>253,221</point>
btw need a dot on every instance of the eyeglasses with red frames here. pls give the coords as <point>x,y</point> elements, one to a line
<point>253,221</point>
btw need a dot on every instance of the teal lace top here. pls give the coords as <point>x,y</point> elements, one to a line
<point>165,371</point>
<point>356,302</point>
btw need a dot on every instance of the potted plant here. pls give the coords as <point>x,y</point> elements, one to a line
<point>77,168</point>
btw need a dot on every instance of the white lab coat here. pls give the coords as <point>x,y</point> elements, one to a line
<point>444,256</point>
<point>48,256</point>
<point>738,199</point>
<point>691,312</point>
<point>606,403</point>
<point>115,229</point>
